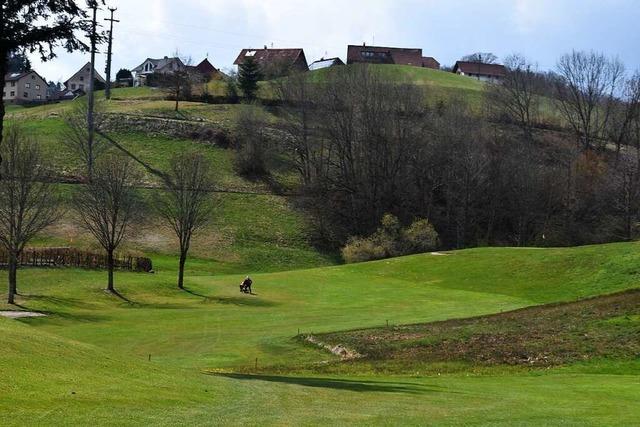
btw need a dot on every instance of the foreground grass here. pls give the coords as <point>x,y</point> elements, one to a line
<point>203,345</point>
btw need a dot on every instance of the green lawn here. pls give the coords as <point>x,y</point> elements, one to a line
<point>165,357</point>
<point>98,346</point>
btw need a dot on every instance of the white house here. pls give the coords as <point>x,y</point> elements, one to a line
<point>492,73</point>
<point>153,66</point>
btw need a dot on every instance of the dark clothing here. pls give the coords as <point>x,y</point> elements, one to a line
<point>245,286</point>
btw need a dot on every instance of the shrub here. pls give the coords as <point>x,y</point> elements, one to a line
<point>362,249</point>
<point>421,236</point>
<point>391,240</point>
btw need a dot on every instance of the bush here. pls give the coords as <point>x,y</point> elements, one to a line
<point>391,240</point>
<point>362,249</point>
<point>421,236</point>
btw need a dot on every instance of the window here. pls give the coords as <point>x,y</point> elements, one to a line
<point>39,96</point>
<point>33,77</point>
<point>27,85</point>
<point>37,87</point>
<point>13,84</point>
<point>81,78</point>
<point>26,94</point>
<point>73,86</point>
<point>13,93</point>
<point>81,87</point>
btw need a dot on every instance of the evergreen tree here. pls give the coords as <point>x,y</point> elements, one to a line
<point>248,77</point>
<point>18,62</point>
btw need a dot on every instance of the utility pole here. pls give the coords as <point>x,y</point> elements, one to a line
<point>92,77</point>
<point>107,91</point>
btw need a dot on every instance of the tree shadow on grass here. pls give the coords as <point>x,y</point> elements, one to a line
<point>341,384</point>
<point>238,301</point>
<point>76,317</point>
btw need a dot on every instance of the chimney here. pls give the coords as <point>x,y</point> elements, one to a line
<point>364,44</point>
<point>166,57</point>
<point>265,47</point>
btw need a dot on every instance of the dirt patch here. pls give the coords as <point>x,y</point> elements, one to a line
<point>338,349</point>
<point>20,314</point>
<point>552,334</point>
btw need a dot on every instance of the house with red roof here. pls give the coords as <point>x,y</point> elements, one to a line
<point>275,62</point>
<point>364,54</point>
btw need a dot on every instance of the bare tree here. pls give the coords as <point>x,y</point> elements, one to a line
<point>370,127</point>
<point>586,91</point>
<point>299,95</point>
<point>481,57</point>
<point>186,203</point>
<point>109,204</point>
<point>624,112</point>
<point>76,134</point>
<point>516,97</point>
<point>178,84</point>
<point>251,142</point>
<point>28,203</point>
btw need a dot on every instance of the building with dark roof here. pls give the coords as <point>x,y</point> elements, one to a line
<point>155,66</point>
<point>275,62</point>
<point>80,80</point>
<point>207,70</point>
<point>484,72</point>
<point>363,54</point>
<point>24,88</point>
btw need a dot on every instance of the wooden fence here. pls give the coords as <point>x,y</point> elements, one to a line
<point>70,257</point>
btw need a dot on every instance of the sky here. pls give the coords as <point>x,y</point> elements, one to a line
<point>542,30</point>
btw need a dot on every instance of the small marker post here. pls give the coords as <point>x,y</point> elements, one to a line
<point>387,323</point>
<point>149,358</point>
<point>256,363</point>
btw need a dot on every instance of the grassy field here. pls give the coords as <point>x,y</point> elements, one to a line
<point>210,355</point>
<point>167,357</point>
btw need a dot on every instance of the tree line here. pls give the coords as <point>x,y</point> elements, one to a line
<point>364,147</point>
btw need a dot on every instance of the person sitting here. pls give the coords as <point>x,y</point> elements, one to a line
<point>245,286</point>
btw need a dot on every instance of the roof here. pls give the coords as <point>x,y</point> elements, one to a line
<point>14,77</point>
<point>429,61</point>
<point>82,69</point>
<point>271,56</point>
<point>205,67</point>
<point>157,63</point>
<point>325,63</point>
<point>384,55</point>
<point>480,68</point>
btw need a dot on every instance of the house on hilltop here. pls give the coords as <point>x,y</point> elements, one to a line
<point>325,63</point>
<point>80,80</point>
<point>152,66</point>
<point>24,88</point>
<point>389,55</point>
<point>275,62</point>
<point>492,73</point>
<point>207,70</point>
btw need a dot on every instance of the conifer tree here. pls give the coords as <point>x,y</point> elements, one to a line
<point>249,75</point>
